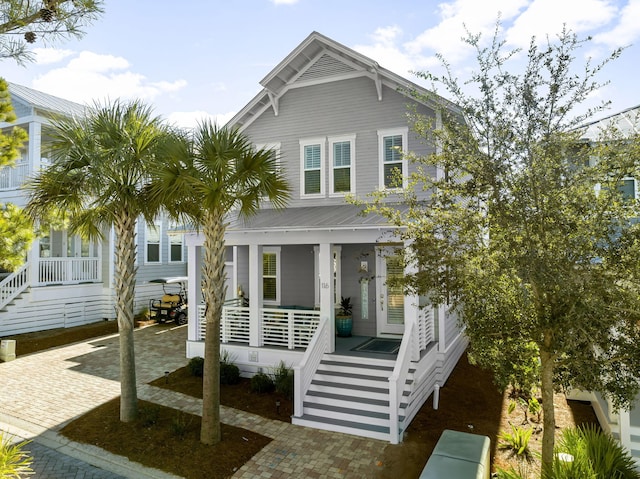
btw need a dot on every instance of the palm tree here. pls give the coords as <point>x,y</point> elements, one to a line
<point>96,181</point>
<point>207,174</point>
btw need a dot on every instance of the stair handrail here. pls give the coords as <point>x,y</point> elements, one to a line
<point>14,284</point>
<point>306,369</point>
<point>399,376</point>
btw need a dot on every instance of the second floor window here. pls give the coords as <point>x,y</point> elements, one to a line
<point>342,165</point>
<point>312,177</point>
<point>175,247</point>
<point>393,167</point>
<point>152,243</point>
<point>627,188</point>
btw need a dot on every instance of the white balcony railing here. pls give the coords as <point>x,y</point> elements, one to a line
<point>13,177</point>
<point>289,328</point>
<point>68,270</point>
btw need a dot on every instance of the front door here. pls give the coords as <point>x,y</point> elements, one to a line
<point>390,298</point>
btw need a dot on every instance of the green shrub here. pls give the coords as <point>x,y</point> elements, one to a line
<point>180,424</point>
<point>262,383</point>
<point>149,416</point>
<point>14,460</point>
<point>283,379</point>
<point>196,366</point>
<point>229,373</point>
<point>517,442</point>
<point>595,455</point>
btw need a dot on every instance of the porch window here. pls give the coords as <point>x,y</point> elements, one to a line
<point>392,147</point>
<point>342,157</point>
<point>271,275</point>
<point>152,239</point>
<point>312,178</point>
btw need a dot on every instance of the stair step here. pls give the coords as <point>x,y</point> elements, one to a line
<point>359,365</point>
<point>349,386</point>
<point>347,424</point>
<point>346,398</point>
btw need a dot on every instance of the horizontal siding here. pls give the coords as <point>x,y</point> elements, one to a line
<point>346,107</point>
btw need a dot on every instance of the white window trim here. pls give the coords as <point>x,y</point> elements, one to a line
<point>404,131</point>
<point>337,251</point>
<point>307,142</point>
<point>157,224</point>
<point>273,250</point>
<point>352,141</point>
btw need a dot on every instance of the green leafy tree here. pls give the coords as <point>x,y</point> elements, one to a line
<point>16,231</point>
<point>97,180</point>
<point>525,233</point>
<point>23,22</point>
<point>206,175</point>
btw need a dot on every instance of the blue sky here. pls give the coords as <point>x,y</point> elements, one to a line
<point>199,58</point>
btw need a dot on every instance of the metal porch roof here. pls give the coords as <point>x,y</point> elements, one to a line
<point>311,217</point>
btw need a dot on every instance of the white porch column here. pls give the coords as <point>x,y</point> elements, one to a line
<point>327,306</point>
<point>33,257</point>
<point>255,293</point>
<point>35,140</point>
<point>624,423</point>
<point>194,266</point>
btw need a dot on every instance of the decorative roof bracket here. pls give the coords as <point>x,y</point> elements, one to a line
<point>274,102</point>
<point>377,79</point>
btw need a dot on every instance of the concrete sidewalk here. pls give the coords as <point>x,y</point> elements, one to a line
<point>42,392</point>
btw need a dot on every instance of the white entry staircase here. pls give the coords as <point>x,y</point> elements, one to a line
<point>350,394</point>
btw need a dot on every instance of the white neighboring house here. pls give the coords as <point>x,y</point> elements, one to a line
<point>338,122</point>
<point>623,424</point>
<point>66,280</point>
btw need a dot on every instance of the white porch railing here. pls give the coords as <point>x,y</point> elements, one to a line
<point>14,284</point>
<point>425,327</point>
<point>304,372</point>
<point>68,270</point>
<point>12,177</point>
<point>289,328</point>
<point>409,351</point>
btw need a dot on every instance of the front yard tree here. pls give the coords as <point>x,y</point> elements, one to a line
<point>16,232</point>
<point>209,173</point>
<point>97,181</point>
<point>526,234</point>
<point>24,22</point>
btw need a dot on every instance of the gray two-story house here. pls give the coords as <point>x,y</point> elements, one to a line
<point>338,122</point>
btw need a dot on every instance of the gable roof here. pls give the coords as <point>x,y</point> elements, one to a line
<point>627,122</point>
<point>319,59</point>
<point>43,102</point>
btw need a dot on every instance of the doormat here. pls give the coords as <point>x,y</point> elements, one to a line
<point>379,345</point>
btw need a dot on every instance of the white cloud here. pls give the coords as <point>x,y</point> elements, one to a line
<point>190,119</point>
<point>47,56</point>
<point>547,17</point>
<point>94,77</point>
<point>477,17</point>
<point>389,55</point>
<point>626,31</point>
<point>284,2</point>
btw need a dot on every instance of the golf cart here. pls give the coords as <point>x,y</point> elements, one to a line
<point>173,305</point>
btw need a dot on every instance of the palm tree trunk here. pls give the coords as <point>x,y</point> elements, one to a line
<point>125,280</point>
<point>548,411</point>
<point>213,284</point>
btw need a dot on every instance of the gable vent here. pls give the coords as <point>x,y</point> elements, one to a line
<point>325,66</point>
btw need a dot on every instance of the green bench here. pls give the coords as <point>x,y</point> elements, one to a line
<point>459,455</point>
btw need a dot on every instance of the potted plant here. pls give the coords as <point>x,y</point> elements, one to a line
<point>344,318</point>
